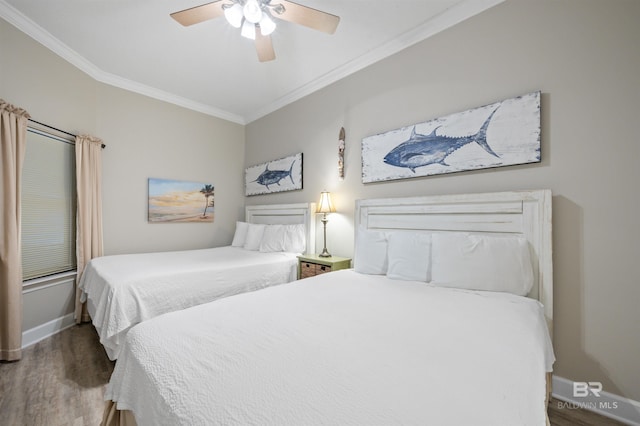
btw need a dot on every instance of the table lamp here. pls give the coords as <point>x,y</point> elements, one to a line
<point>325,206</point>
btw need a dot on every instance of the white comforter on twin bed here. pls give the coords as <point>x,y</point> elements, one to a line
<point>341,349</point>
<point>124,290</point>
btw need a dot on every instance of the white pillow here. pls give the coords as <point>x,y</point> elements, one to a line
<point>409,256</point>
<point>294,239</point>
<point>482,262</point>
<point>240,235</point>
<point>371,252</point>
<point>272,239</point>
<point>254,236</point>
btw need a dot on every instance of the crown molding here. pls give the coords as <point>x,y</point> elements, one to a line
<point>33,30</point>
<point>42,36</point>
<point>152,92</point>
<point>441,22</point>
<point>446,19</point>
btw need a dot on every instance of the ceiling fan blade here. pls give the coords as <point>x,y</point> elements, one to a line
<point>199,14</point>
<point>264,47</point>
<point>303,15</point>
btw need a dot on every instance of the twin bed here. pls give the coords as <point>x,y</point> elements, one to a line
<point>435,330</point>
<point>124,290</point>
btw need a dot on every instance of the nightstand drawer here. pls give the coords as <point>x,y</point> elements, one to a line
<point>307,269</point>
<point>321,269</point>
<point>312,265</point>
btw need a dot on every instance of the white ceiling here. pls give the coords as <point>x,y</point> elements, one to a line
<point>209,67</point>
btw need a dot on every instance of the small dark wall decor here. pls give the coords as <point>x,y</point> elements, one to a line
<point>501,134</point>
<point>284,174</point>
<point>341,137</point>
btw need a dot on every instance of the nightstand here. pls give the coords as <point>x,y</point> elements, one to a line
<point>310,265</point>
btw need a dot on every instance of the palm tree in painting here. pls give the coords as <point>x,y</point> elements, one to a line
<point>207,191</point>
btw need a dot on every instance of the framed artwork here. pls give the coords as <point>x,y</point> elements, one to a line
<point>180,201</point>
<point>284,174</point>
<point>504,133</point>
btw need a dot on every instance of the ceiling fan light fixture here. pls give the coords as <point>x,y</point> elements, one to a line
<point>248,30</point>
<point>252,16</point>
<point>267,26</point>
<point>252,11</point>
<point>234,15</point>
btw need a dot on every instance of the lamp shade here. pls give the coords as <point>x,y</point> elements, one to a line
<point>267,26</point>
<point>252,11</point>
<point>325,205</point>
<point>248,30</point>
<point>234,15</point>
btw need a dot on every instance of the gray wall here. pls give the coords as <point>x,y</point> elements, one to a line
<point>145,138</point>
<point>149,138</point>
<point>583,56</point>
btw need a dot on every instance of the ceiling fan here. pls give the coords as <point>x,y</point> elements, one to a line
<point>255,17</point>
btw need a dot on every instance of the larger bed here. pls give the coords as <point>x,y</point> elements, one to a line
<point>124,290</point>
<point>357,346</point>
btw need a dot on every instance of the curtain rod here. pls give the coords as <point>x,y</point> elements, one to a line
<point>58,130</point>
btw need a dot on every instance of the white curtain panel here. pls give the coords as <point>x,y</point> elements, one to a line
<point>13,136</point>
<point>89,241</point>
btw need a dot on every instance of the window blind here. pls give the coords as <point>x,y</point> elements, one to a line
<point>48,206</point>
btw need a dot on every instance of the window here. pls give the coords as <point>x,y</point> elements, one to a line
<point>48,206</point>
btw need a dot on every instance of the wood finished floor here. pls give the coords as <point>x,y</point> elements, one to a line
<point>61,380</point>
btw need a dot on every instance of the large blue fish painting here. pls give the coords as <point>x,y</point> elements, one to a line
<point>269,177</point>
<point>503,133</point>
<point>423,150</point>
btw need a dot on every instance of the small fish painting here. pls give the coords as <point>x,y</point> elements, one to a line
<point>270,177</point>
<point>284,174</point>
<point>501,134</point>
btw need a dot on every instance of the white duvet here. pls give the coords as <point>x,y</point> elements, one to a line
<point>340,349</point>
<point>124,290</point>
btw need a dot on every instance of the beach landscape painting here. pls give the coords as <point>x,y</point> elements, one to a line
<point>177,201</point>
<point>504,133</point>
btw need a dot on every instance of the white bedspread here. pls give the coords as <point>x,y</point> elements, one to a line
<point>124,290</point>
<point>340,349</point>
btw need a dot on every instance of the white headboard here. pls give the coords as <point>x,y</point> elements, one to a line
<point>523,213</point>
<point>286,214</point>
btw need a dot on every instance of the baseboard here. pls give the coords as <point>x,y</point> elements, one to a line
<point>35,334</point>
<point>608,404</point>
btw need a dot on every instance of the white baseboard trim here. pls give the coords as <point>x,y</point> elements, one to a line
<point>608,404</point>
<point>35,334</point>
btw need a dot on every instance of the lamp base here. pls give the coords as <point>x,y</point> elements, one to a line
<point>325,253</point>
<point>324,221</point>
